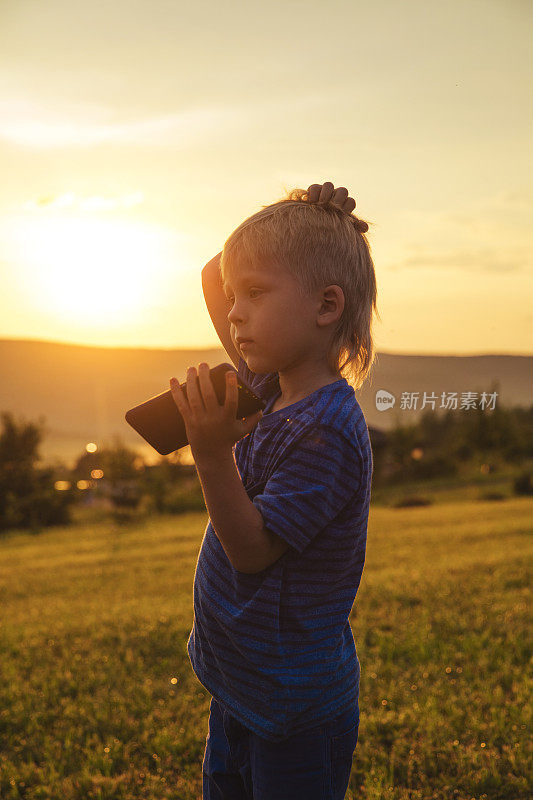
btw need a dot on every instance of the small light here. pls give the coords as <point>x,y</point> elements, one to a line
<point>91,447</point>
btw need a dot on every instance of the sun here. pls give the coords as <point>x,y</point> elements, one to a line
<point>88,269</point>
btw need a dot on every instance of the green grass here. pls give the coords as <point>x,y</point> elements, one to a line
<point>98,698</point>
<point>468,485</point>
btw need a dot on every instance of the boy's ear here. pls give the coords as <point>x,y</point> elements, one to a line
<point>332,304</point>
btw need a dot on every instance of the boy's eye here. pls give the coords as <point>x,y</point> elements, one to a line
<point>252,291</point>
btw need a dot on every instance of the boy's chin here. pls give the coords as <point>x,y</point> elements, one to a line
<point>253,361</point>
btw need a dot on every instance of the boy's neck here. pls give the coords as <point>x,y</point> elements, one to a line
<point>295,387</point>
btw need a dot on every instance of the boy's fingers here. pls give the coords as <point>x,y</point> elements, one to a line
<point>349,205</point>
<point>193,395</point>
<point>206,385</point>
<point>178,396</point>
<point>313,192</point>
<point>323,193</point>
<point>339,196</point>
<point>326,192</point>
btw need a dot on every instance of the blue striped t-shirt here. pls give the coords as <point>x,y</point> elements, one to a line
<point>276,647</point>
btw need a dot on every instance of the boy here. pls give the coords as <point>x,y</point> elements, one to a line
<point>288,493</point>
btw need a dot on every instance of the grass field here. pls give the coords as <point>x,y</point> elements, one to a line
<point>98,698</point>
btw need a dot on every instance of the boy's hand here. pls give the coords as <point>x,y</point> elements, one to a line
<point>322,193</point>
<point>212,429</point>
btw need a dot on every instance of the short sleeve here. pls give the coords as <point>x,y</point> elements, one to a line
<point>319,476</point>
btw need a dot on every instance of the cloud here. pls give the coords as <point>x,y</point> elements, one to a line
<point>28,124</point>
<point>36,124</point>
<point>480,259</point>
<point>503,210</point>
<point>91,203</point>
<point>491,234</point>
<point>517,197</point>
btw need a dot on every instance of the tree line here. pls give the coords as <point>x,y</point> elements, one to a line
<point>115,478</point>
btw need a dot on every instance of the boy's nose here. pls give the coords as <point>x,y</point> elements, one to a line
<point>234,314</point>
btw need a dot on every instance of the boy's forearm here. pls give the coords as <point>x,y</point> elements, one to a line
<point>237,523</point>
<point>211,271</point>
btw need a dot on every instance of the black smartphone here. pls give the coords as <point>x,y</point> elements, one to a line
<point>160,423</point>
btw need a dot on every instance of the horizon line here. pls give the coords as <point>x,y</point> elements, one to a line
<point>67,343</point>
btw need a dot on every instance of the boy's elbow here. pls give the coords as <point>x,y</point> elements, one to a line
<point>273,547</point>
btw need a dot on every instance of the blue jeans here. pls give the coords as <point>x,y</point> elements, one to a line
<point>315,764</point>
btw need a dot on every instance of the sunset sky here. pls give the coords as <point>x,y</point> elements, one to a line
<point>135,136</point>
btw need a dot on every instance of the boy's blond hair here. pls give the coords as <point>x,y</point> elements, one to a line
<point>318,244</point>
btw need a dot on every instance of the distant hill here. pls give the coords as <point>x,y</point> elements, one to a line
<point>84,392</point>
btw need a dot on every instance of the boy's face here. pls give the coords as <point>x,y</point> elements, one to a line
<point>266,307</point>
